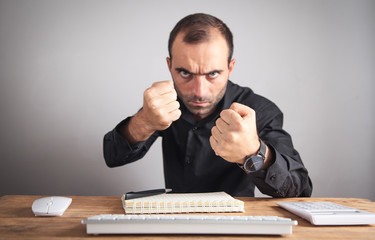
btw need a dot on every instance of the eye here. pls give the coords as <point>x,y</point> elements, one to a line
<point>185,74</point>
<point>213,75</point>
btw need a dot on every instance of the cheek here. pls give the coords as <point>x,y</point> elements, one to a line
<point>176,82</point>
<point>180,86</point>
<point>219,87</point>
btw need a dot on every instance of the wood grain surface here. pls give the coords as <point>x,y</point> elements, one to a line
<point>17,221</point>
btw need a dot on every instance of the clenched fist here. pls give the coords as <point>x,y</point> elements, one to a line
<point>160,109</point>
<point>235,135</point>
<point>160,105</point>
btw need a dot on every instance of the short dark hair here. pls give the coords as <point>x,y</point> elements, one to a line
<point>197,29</point>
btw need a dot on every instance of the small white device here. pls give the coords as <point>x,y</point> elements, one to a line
<point>51,206</point>
<point>328,213</point>
<point>188,224</point>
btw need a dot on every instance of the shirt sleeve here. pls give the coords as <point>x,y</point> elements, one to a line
<point>119,151</point>
<point>286,176</point>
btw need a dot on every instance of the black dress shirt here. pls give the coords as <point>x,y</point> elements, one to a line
<point>190,164</point>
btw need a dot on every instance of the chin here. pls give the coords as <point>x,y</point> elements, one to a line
<point>199,112</point>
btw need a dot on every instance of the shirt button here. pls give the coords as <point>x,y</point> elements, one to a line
<point>273,178</point>
<point>195,128</point>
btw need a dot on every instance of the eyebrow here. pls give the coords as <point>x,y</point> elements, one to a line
<point>180,69</point>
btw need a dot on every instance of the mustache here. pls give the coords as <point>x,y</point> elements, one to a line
<point>195,98</point>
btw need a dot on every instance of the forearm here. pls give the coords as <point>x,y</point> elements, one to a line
<point>118,150</point>
<point>136,129</point>
<point>160,109</point>
<point>285,177</point>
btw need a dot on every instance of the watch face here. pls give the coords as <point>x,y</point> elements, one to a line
<point>254,163</point>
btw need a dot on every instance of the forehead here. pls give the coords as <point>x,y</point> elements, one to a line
<point>208,54</point>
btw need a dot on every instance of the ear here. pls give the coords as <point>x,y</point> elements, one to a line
<point>231,66</point>
<point>169,62</point>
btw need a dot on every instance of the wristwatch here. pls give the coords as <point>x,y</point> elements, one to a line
<point>255,162</point>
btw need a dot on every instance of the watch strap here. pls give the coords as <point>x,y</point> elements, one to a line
<point>262,149</point>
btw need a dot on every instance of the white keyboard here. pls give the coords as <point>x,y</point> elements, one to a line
<point>188,224</point>
<point>328,213</point>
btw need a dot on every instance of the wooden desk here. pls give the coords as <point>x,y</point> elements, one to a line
<point>17,220</point>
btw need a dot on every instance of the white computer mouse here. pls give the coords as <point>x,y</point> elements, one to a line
<point>51,206</point>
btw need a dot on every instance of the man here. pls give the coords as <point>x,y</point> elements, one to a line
<point>216,135</point>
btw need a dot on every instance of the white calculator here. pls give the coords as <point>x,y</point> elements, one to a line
<point>328,213</point>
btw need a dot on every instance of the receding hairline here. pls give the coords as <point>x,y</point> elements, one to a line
<point>213,33</point>
<point>210,33</point>
<point>196,25</point>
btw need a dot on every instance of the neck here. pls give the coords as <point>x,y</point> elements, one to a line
<point>198,117</point>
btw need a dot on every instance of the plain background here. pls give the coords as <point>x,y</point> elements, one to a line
<point>71,70</point>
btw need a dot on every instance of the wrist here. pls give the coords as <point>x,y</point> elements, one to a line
<point>137,129</point>
<point>269,160</point>
<point>251,152</point>
<point>255,162</point>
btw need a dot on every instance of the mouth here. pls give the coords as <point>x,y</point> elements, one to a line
<point>198,104</point>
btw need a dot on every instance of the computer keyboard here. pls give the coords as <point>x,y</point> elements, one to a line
<point>188,224</point>
<point>328,213</point>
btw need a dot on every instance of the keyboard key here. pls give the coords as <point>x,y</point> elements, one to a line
<point>188,224</point>
<point>328,213</point>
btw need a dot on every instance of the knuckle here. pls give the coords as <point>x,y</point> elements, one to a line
<point>224,113</point>
<point>155,84</point>
<point>212,142</point>
<point>176,115</point>
<point>239,126</point>
<point>217,151</point>
<point>176,104</point>
<point>173,95</point>
<point>218,121</point>
<point>251,112</point>
<point>233,116</point>
<point>148,92</point>
<point>159,113</point>
<point>214,133</point>
<point>230,137</point>
<point>153,104</point>
<point>164,121</point>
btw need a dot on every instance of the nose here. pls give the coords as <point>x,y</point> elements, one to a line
<point>199,87</point>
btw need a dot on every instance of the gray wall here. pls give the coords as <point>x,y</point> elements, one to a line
<point>71,70</point>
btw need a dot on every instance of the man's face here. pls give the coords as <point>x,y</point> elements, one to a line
<point>200,72</point>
